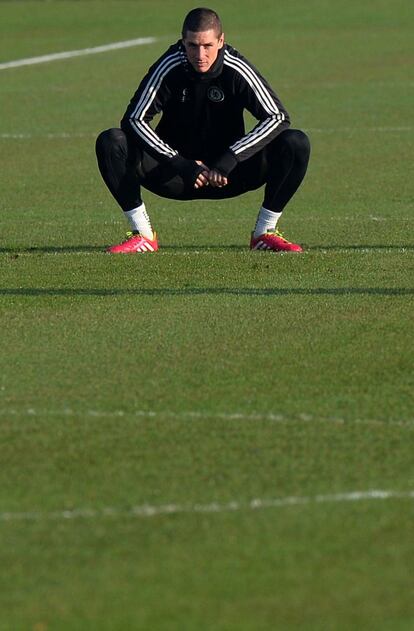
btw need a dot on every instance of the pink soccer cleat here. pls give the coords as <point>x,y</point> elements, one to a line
<point>135,242</point>
<point>273,240</point>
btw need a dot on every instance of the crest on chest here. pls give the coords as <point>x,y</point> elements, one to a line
<point>215,94</point>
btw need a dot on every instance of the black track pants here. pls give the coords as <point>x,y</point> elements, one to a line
<point>280,167</point>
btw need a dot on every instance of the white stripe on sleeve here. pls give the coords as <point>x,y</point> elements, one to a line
<point>256,135</point>
<point>254,81</point>
<point>147,97</point>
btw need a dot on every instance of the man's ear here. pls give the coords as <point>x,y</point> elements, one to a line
<point>221,41</point>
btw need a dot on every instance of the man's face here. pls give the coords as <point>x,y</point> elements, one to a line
<point>202,48</point>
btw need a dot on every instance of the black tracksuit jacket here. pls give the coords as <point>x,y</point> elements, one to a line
<point>202,113</point>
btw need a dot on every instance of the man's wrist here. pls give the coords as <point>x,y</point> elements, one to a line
<point>225,163</point>
<point>187,169</point>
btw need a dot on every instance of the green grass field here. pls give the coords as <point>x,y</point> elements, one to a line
<point>196,440</point>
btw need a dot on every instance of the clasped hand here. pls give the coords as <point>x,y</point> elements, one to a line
<point>209,177</point>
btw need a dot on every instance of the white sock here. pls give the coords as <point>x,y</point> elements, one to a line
<point>266,220</point>
<point>139,220</point>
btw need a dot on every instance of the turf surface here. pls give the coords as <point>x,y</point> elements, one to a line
<point>206,376</point>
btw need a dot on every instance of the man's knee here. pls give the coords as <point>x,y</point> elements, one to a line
<point>297,141</point>
<point>109,140</point>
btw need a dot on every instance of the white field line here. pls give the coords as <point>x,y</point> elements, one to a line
<point>203,415</point>
<point>151,510</point>
<point>30,61</point>
<point>321,130</point>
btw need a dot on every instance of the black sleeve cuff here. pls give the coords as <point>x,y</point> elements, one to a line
<point>180,164</point>
<point>226,163</point>
<point>188,169</point>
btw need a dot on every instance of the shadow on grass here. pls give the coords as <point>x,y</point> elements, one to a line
<point>210,291</point>
<point>307,248</point>
<point>51,249</point>
<point>74,249</point>
<point>68,249</point>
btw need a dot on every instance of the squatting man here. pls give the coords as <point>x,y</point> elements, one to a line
<point>200,150</point>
